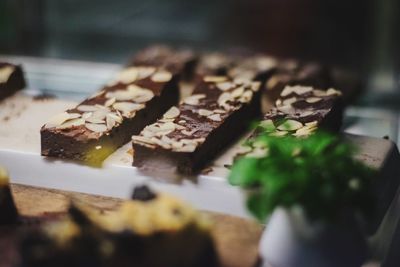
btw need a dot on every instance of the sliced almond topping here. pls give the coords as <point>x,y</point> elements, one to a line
<point>172,113</point>
<point>287,91</point>
<point>120,95</point>
<point>5,73</point>
<point>97,128</point>
<point>139,94</point>
<point>279,133</point>
<point>312,124</point>
<point>72,123</point>
<point>128,75</point>
<point>288,109</point>
<point>223,100</point>
<point>300,90</point>
<point>182,121</point>
<point>290,125</point>
<point>189,133</point>
<point>242,80</point>
<point>313,99</point>
<point>112,119</point>
<point>237,92</point>
<point>332,91</point>
<point>215,79</point>
<point>224,86</point>
<point>305,131</point>
<point>86,108</point>
<point>86,115</point>
<point>215,117</point>
<point>144,72</point>
<point>289,101</point>
<point>319,93</point>
<point>246,97</point>
<point>127,107</point>
<point>194,99</point>
<point>219,111</point>
<point>306,113</point>
<point>99,114</point>
<point>161,76</point>
<point>268,125</point>
<point>110,101</point>
<point>57,120</point>
<point>160,143</point>
<point>94,120</point>
<point>145,97</point>
<point>204,112</point>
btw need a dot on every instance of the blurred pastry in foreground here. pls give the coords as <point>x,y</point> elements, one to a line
<point>152,229</point>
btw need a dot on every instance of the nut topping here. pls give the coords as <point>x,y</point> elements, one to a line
<point>215,79</point>
<point>161,76</point>
<point>86,108</point>
<point>172,113</point>
<point>313,100</point>
<point>127,107</point>
<point>58,120</point>
<point>204,112</point>
<point>290,125</point>
<point>110,101</point>
<point>97,128</point>
<point>215,117</point>
<point>71,123</point>
<point>224,86</point>
<point>193,100</point>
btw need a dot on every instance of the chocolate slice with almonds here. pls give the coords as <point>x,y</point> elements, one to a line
<point>178,61</point>
<point>11,79</point>
<point>193,133</point>
<point>105,121</point>
<point>293,72</point>
<point>299,112</point>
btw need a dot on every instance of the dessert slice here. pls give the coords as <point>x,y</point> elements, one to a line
<point>174,60</point>
<point>254,68</point>
<point>11,79</point>
<point>299,112</point>
<point>105,121</point>
<point>192,134</point>
<point>156,231</point>
<point>8,211</point>
<point>292,72</point>
<point>214,64</point>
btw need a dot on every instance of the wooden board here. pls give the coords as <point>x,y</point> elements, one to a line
<point>236,239</point>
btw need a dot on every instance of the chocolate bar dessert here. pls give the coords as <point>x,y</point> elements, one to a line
<point>190,135</point>
<point>105,121</point>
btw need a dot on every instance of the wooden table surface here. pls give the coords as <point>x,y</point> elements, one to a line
<point>236,239</point>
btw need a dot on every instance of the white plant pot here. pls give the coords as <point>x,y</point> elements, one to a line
<point>290,240</point>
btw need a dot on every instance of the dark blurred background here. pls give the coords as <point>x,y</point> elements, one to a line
<point>359,34</point>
